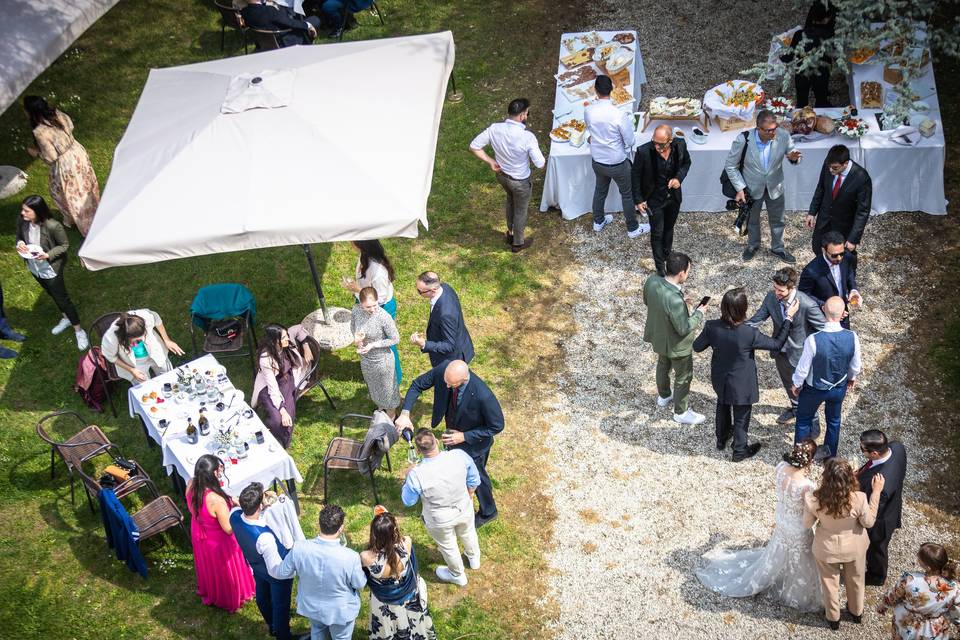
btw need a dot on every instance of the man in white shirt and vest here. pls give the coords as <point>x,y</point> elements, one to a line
<point>611,140</point>
<point>514,148</point>
<point>444,481</point>
<point>828,366</point>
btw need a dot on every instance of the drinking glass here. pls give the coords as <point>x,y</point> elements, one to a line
<point>167,390</point>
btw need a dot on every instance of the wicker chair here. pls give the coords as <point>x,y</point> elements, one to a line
<point>347,454</point>
<point>308,345</point>
<point>230,17</point>
<point>86,444</point>
<point>268,39</point>
<point>137,481</point>
<point>157,516</point>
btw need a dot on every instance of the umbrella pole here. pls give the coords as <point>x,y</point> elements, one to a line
<point>316,283</point>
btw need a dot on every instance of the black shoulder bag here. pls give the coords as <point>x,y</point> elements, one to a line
<point>725,185</point>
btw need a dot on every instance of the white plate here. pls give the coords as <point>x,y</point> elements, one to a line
<point>30,251</point>
<point>614,47</point>
<point>697,139</point>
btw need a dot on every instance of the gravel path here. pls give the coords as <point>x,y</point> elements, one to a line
<point>641,498</point>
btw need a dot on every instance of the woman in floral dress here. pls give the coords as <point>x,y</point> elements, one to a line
<point>925,602</point>
<point>73,184</point>
<point>398,595</point>
<point>374,333</point>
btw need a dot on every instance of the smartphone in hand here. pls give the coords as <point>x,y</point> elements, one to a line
<point>703,301</point>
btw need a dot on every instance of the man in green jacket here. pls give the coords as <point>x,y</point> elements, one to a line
<point>671,324</point>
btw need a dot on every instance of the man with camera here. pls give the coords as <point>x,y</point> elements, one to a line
<point>658,169</point>
<point>755,169</point>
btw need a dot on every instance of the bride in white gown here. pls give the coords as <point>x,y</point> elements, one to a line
<point>784,568</point>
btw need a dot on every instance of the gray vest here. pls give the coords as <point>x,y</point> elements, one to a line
<point>443,488</point>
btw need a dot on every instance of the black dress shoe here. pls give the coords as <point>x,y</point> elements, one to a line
<point>748,253</point>
<point>785,256</point>
<point>722,443</point>
<point>874,581</point>
<point>479,521</point>
<point>834,624</point>
<point>751,451</point>
<point>856,619</point>
<point>517,248</point>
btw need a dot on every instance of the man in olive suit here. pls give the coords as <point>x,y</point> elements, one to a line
<point>671,326</point>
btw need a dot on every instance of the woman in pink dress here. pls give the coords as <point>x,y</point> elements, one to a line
<point>224,578</point>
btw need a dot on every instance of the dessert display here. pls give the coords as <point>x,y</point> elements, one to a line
<point>871,95</point>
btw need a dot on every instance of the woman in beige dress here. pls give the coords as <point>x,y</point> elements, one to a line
<point>73,184</point>
<point>840,542</point>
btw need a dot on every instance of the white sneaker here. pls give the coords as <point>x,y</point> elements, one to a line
<point>61,327</point>
<point>689,417</point>
<point>83,343</point>
<point>662,402</point>
<point>474,562</point>
<point>607,219</point>
<point>634,234</point>
<point>445,576</point>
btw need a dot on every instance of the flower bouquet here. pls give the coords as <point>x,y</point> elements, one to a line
<point>224,438</point>
<point>851,127</point>
<point>779,105</point>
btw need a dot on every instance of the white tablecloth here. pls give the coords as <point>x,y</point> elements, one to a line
<point>569,180</point>
<point>265,463</point>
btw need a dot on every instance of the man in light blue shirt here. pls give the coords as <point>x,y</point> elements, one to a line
<point>330,579</point>
<point>445,481</point>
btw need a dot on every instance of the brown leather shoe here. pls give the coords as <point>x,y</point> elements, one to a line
<point>517,248</point>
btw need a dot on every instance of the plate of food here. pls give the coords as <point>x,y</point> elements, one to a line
<point>577,75</point>
<point>577,58</point>
<point>620,96</point>
<point>572,129</point>
<point>623,38</point>
<point>605,51</point>
<point>29,250</point>
<point>620,59</point>
<point>734,99</point>
<point>585,91</point>
<point>560,134</point>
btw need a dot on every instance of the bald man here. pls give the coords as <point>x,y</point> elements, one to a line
<point>658,169</point>
<point>472,416</point>
<point>828,366</point>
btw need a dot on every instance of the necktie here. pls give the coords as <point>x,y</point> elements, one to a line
<point>864,467</point>
<point>836,186</point>
<point>452,408</point>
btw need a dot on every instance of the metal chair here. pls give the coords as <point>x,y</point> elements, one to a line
<point>157,516</point>
<point>137,481</point>
<point>348,454</point>
<point>243,311</point>
<point>86,444</point>
<point>312,379</point>
<point>268,39</point>
<point>345,11</point>
<point>230,17</point>
<point>99,327</point>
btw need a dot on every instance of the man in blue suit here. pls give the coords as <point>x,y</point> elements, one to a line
<point>472,415</point>
<point>830,275</point>
<point>447,336</point>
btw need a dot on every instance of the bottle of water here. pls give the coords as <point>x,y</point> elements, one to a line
<point>407,435</point>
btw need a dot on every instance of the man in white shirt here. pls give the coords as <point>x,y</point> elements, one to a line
<point>445,481</point>
<point>828,366</point>
<point>611,140</point>
<point>514,148</point>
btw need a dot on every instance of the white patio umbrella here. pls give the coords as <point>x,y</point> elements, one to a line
<point>332,142</point>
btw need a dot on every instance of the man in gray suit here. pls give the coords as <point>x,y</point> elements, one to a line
<point>762,176</point>
<point>809,319</point>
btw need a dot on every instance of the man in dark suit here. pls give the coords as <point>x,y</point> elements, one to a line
<point>841,202</point>
<point>659,167</point>
<point>829,275</point>
<point>889,459</point>
<point>809,319</point>
<point>472,416</point>
<point>263,14</point>
<point>447,336</point>
<point>733,368</point>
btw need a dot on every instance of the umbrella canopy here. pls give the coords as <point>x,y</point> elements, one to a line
<point>295,146</point>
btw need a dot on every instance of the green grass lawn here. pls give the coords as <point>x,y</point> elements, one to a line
<point>59,580</point>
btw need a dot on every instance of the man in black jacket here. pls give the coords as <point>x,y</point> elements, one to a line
<point>659,167</point>
<point>889,459</point>
<point>472,416</point>
<point>829,275</point>
<point>447,336</point>
<point>841,201</point>
<point>263,14</point>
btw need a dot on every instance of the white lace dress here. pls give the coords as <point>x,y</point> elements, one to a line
<point>784,568</point>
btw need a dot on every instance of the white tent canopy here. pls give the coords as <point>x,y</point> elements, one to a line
<point>349,157</point>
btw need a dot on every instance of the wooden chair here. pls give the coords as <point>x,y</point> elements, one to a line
<point>137,481</point>
<point>230,17</point>
<point>345,12</point>
<point>346,453</point>
<point>268,39</point>
<point>86,444</point>
<point>308,345</point>
<point>99,327</point>
<point>157,516</point>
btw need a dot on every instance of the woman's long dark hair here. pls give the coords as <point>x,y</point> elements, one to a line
<point>372,250</point>
<point>271,344</point>
<point>837,486</point>
<point>39,207</point>
<point>205,477</point>
<point>40,112</point>
<point>130,327</point>
<point>733,307</point>
<point>385,536</point>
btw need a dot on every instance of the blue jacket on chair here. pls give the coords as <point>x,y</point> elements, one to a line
<point>122,534</point>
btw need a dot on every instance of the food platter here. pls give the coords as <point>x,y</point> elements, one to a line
<point>573,128</point>
<point>734,100</point>
<point>664,108</point>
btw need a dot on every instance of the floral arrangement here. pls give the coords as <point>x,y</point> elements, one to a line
<point>851,127</point>
<point>779,105</point>
<point>224,438</point>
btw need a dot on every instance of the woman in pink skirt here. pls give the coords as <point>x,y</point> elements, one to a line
<point>224,578</point>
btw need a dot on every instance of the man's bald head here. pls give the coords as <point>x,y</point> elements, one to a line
<point>663,134</point>
<point>456,373</point>
<point>833,309</point>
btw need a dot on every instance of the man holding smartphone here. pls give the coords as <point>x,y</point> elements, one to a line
<point>671,323</point>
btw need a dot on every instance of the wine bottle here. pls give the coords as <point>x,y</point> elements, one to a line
<point>192,432</point>
<point>203,423</point>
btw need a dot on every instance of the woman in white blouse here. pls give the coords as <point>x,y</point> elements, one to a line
<point>374,270</point>
<point>138,344</point>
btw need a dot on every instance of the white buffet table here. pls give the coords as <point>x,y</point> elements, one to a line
<point>569,180</point>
